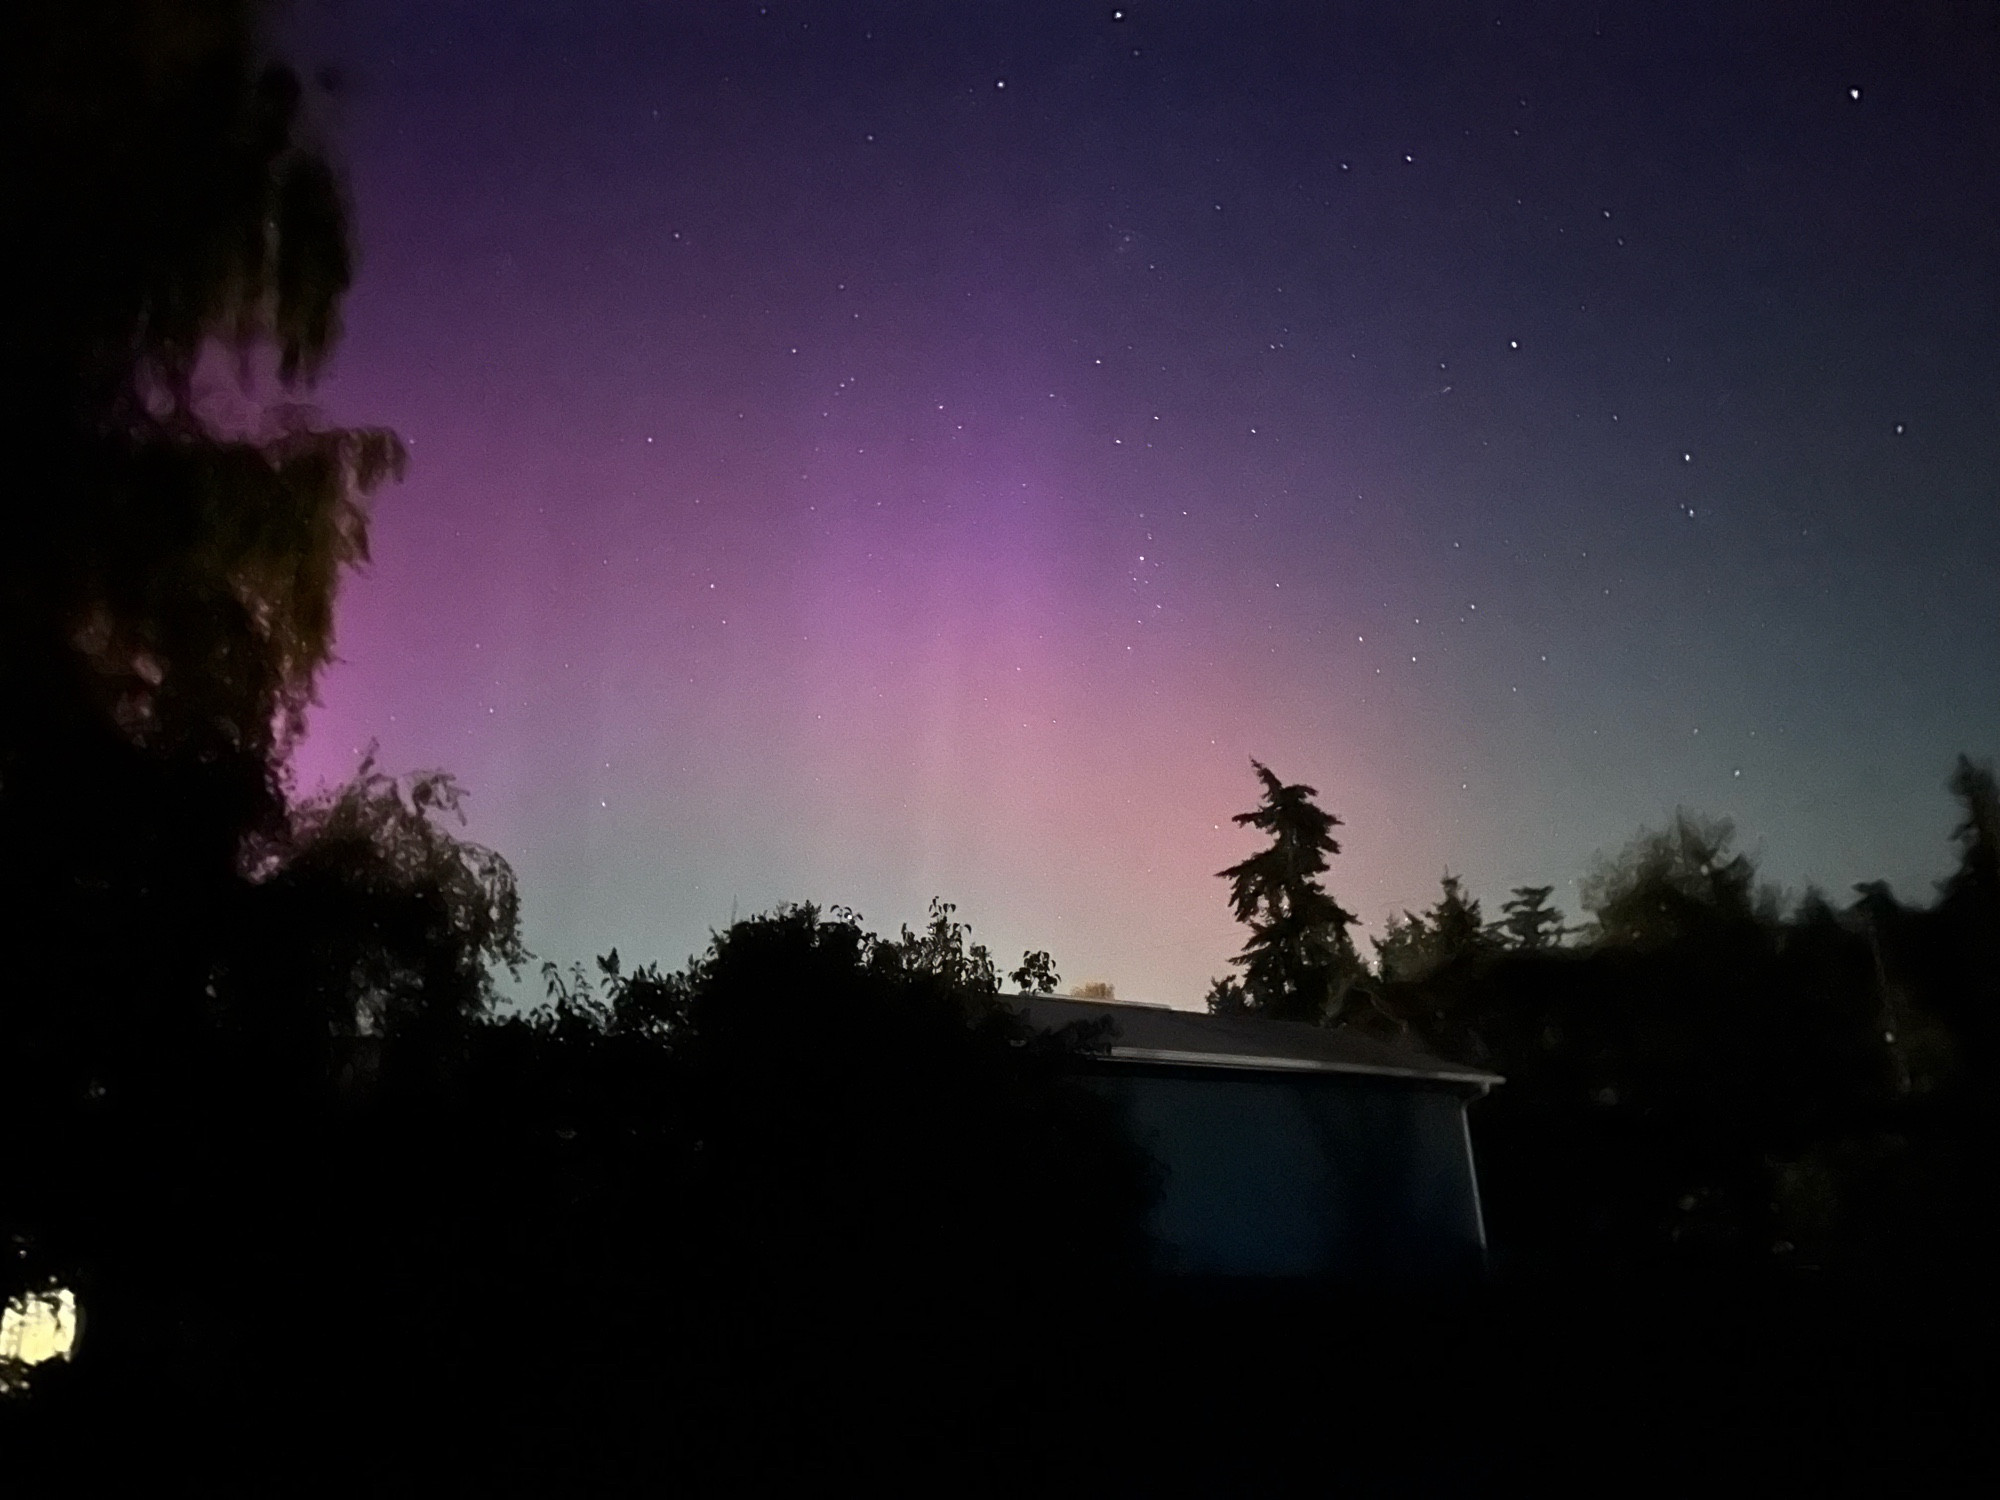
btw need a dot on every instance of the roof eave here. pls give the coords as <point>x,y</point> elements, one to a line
<point>1264,1063</point>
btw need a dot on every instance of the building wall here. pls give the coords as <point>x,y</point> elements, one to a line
<point>1270,1174</point>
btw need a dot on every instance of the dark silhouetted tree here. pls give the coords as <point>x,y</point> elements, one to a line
<point>1037,974</point>
<point>1226,997</point>
<point>167,585</point>
<point>1976,881</point>
<point>1455,921</point>
<point>172,566</point>
<point>1451,931</point>
<point>1299,960</point>
<point>1681,1086</point>
<point>1943,965</point>
<point>1670,882</point>
<point>1528,923</point>
<point>371,915</point>
<point>1399,951</point>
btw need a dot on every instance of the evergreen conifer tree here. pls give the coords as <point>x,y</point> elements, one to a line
<point>1455,921</point>
<point>1528,921</point>
<point>1414,944</point>
<point>1299,960</point>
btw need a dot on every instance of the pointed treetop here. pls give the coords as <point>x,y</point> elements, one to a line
<point>1299,957</point>
<point>1301,839</point>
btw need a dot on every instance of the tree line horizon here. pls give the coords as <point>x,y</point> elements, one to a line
<point>1301,963</point>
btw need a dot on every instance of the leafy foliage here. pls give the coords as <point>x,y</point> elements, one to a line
<point>1672,882</point>
<point>811,1154</point>
<point>1037,974</point>
<point>167,596</point>
<point>371,914</point>
<point>1707,1079</point>
<point>167,571</point>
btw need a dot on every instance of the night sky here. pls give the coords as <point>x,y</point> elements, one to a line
<point>863,452</point>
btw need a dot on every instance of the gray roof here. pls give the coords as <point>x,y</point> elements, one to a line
<point>1157,1034</point>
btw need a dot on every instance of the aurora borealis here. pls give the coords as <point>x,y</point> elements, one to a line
<point>862,452</point>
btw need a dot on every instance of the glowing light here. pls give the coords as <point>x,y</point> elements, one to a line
<point>36,1327</point>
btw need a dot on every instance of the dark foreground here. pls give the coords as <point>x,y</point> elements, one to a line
<point>1217,1391</point>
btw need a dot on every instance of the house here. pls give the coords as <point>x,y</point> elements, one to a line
<point>1289,1150</point>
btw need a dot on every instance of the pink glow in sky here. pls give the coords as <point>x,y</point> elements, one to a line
<point>836,478</point>
<point>914,673</point>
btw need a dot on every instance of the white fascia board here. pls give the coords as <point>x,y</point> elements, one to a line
<point>1258,1063</point>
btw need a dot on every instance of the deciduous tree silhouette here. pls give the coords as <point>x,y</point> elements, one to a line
<point>1662,1074</point>
<point>1671,882</point>
<point>1037,974</point>
<point>869,1179</point>
<point>167,584</point>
